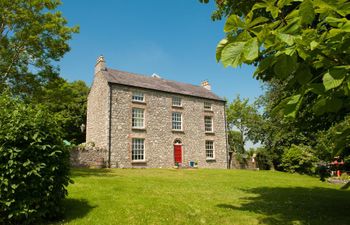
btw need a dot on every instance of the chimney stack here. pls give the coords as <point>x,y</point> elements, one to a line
<point>206,85</point>
<point>100,64</point>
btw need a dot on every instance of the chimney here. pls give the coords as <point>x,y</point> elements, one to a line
<point>100,64</point>
<point>206,85</point>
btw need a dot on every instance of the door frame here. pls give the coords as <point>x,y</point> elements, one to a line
<point>178,142</point>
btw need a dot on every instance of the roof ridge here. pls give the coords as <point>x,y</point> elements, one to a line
<point>144,75</point>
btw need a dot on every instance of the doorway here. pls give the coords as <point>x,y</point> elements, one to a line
<point>177,151</point>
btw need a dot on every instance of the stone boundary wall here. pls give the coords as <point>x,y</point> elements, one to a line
<point>247,163</point>
<point>88,157</point>
<point>235,164</point>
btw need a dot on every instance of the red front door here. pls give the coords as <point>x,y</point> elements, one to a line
<point>178,153</point>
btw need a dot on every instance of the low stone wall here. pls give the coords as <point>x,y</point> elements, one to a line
<point>88,157</point>
<point>247,164</point>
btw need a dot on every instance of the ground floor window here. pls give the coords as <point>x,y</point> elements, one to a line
<point>138,149</point>
<point>209,149</point>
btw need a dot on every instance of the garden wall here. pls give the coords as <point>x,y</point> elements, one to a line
<point>247,164</point>
<point>88,157</point>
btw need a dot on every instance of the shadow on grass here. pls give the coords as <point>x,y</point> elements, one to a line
<point>73,209</point>
<point>88,172</point>
<point>76,208</point>
<point>345,186</point>
<point>296,205</point>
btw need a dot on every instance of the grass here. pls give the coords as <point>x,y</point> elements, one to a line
<point>169,196</point>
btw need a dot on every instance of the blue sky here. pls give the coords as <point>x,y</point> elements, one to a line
<point>175,39</point>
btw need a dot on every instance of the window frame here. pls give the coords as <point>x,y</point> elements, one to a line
<point>138,154</point>
<point>138,96</point>
<point>172,121</point>
<point>206,104</point>
<point>176,98</point>
<point>209,152</point>
<point>211,124</point>
<point>134,119</point>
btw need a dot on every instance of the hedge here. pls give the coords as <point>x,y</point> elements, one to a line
<point>34,163</point>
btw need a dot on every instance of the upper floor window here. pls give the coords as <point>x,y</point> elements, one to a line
<point>209,149</point>
<point>176,121</point>
<point>138,118</point>
<point>207,105</point>
<point>177,101</point>
<point>138,149</point>
<point>208,123</point>
<point>138,96</point>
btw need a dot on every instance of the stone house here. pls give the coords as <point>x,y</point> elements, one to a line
<point>147,121</point>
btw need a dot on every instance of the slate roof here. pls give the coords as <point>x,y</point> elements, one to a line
<point>159,84</point>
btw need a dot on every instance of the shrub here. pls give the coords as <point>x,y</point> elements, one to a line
<point>263,158</point>
<point>300,159</point>
<point>34,163</point>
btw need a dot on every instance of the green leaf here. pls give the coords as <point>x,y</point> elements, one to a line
<point>319,107</point>
<point>334,105</point>
<point>346,27</point>
<point>313,45</point>
<point>324,105</point>
<point>233,22</point>
<point>264,65</point>
<point>232,54</point>
<point>293,105</point>
<point>219,48</point>
<point>292,26</point>
<point>317,88</point>
<point>303,74</point>
<point>333,78</point>
<point>286,38</point>
<point>282,3</point>
<point>258,21</point>
<point>306,12</point>
<point>269,7</point>
<point>251,49</point>
<point>285,66</point>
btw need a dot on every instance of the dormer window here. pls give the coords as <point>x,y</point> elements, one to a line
<point>138,96</point>
<point>177,101</point>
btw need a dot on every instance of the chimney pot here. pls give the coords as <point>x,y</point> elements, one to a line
<point>206,85</point>
<point>100,64</point>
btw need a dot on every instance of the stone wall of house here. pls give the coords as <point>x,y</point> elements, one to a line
<point>88,157</point>
<point>158,134</point>
<point>98,112</point>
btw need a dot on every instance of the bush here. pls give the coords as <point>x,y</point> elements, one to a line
<point>34,163</point>
<point>263,158</point>
<point>300,159</point>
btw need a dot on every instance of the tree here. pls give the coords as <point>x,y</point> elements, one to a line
<point>235,141</point>
<point>34,163</point>
<point>243,121</point>
<point>68,102</point>
<point>303,44</point>
<point>244,117</point>
<point>299,159</point>
<point>33,34</point>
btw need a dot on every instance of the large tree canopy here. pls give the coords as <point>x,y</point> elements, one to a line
<point>33,34</point>
<point>304,44</point>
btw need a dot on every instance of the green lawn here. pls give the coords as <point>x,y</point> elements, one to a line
<point>169,196</point>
